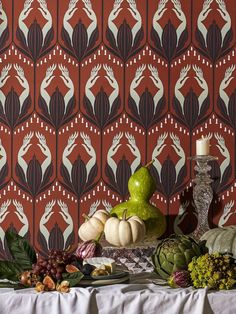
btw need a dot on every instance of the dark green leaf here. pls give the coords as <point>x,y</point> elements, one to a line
<point>21,250</point>
<point>15,286</point>
<point>9,270</point>
<point>73,278</point>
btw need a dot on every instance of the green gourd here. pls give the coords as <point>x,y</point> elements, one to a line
<point>141,186</point>
<point>222,240</point>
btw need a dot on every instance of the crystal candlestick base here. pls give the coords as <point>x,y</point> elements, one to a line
<point>202,192</point>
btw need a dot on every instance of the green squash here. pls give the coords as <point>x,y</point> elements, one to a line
<point>222,240</point>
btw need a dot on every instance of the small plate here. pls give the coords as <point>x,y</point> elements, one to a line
<point>117,274</point>
<point>103,282</point>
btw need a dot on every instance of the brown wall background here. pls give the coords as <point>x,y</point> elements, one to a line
<point>90,90</point>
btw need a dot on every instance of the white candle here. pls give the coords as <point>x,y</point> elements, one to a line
<point>203,146</point>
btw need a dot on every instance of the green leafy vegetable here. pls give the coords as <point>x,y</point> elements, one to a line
<point>73,278</point>
<point>10,270</point>
<point>22,252</point>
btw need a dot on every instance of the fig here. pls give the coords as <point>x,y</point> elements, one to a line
<point>87,269</point>
<point>64,286</point>
<point>39,287</point>
<point>25,278</point>
<point>49,283</point>
<point>71,268</point>
<point>28,278</point>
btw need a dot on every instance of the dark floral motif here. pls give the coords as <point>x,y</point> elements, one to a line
<point>214,48</point>
<point>124,39</point>
<point>103,113</point>
<point>190,115</point>
<point>146,113</point>
<point>57,114</point>
<point>118,181</point>
<point>214,40</point>
<point>34,182</point>
<point>56,240</point>
<point>11,112</point>
<point>80,39</point>
<point>77,182</point>
<point>35,45</point>
<point>126,46</point>
<point>167,46</point>
<point>81,45</point>
<point>169,182</point>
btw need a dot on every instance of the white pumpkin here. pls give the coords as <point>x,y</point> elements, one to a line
<point>222,240</point>
<point>124,232</point>
<point>94,225</point>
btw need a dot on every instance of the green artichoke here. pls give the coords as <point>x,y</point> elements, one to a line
<point>175,253</point>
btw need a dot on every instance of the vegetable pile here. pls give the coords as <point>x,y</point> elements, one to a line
<point>183,262</point>
<point>59,271</point>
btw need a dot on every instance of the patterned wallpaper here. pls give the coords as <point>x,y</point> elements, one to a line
<point>92,89</point>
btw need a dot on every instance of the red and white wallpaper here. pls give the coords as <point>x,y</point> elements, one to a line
<point>92,89</point>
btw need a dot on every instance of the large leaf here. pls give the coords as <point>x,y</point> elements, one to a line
<point>10,270</point>
<point>8,284</point>
<point>22,252</point>
<point>73,278</point>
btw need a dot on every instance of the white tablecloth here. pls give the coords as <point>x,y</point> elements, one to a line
<point>139,296</point>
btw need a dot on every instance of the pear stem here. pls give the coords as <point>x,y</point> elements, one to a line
<point>124,215</point>
<point>149,164</point>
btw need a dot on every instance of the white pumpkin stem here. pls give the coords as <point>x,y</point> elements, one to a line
<point>124,215</point>
<point>149,164</point>
<point>86,217</point>
<point>98,238</point>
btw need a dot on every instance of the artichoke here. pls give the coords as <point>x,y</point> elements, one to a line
<point>175,253</point>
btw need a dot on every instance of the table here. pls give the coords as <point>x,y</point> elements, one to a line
<point>138,297</point>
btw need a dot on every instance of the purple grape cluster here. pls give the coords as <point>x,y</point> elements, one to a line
<point>54,265</point>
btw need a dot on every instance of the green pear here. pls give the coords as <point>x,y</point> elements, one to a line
<point>141,186</point>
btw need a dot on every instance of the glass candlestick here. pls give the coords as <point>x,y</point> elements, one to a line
<point>202,192</point>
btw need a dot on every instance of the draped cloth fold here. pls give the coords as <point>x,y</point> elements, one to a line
<point>140,296</point>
